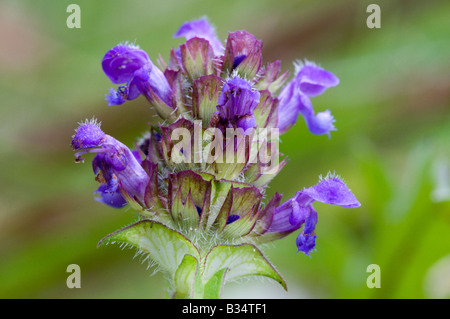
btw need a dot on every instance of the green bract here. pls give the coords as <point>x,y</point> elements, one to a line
<point>192,273</point>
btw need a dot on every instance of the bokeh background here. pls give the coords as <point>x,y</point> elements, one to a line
<point>392,145</point>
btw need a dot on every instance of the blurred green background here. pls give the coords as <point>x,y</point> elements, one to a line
<point>392,145</point>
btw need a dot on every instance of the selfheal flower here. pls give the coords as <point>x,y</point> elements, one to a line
<point>129,65</point>
<point>110,197</point>
<point>237,102</point>
<point>121,62</point>
<point>119,168</point>
<point>109,189</point>
<point>199,207</point>
<point>294,98</point>
<point>298,210</point>
<point>200,29</point>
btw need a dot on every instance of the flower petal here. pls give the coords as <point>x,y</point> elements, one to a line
<point>320,123</point>
<point>313,80</point>
<point>237,99</point>
<point>115,97</point>
<point>121,62</point>
<point>113,199</point>
<point>200,29</point>
<point>306,243</point>
<point>87,135</point>
<point>334,192</point>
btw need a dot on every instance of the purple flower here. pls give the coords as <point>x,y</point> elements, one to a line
<point>310,81</point>
<point>117,167</point>
<point>109,197</point>
<point>121,62</point>
<point>200,29</point>
<point>298,210</point>
<point>130,66</point>
<point>237,102</point>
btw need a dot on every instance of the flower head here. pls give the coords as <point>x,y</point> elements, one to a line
<point>197,181</point>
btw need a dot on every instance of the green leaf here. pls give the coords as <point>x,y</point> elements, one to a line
<point>213,288</point>
<point>242,261</point>
<point>165,246</point>
<point>185,277</point>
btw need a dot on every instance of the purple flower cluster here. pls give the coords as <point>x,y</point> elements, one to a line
<point>223,86</point>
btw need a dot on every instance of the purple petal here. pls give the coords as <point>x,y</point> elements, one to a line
<point>237,98</point>
<point>246,122</point>
<point>118,165</point>
<point>288,108</point>
<point>299,214</point>
<point>311,221</point>
<point>232,218</point>
<point>313,80</point>
<point>160,86</point>
<point>115,97</point>
<point>200,29</point>
<point>294,98</point>
<point>298,210</point>
<point>113,199</point>
<point>320,123</point>
<point>87,135</point>
<point>306,243</point>
<point>287,217</point>
<point>121,62</point>
<point>293,102</point>
<point>332,191</point>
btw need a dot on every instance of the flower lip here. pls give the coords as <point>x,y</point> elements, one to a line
<point>121,62</point>
<point>320,123</point>
<point>332,191</point>
<point>88,135</point>
<point>313,80</point>
<point>237,98</point>
<point>309,81</point>
<point>200,29</point>
<point>306,243</point>
<point>108,197</point>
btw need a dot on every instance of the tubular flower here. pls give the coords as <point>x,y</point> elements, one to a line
<point>117,167</point>
<point>298,211</point>
<point>196,181</point>
<point>310,81</point>
<point>129,65</point>
<point>237,103</point>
